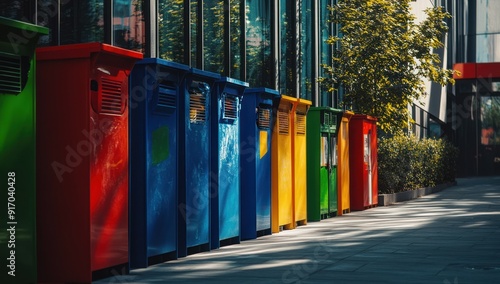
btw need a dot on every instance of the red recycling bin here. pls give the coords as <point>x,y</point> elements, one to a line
<point>82,161</point>
<point>363,162</point>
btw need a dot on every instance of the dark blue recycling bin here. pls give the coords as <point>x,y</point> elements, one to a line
<point>194,187</point>
<point>155,91</point>
<point>257,118</point>
<point>225,174</point>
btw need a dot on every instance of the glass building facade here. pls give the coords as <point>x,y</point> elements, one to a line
<point>277,44</point>
<point>476,104</point>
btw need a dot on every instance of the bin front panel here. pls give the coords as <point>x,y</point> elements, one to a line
<point>153,136</point>
<point>281,177</point>
<point>343,163</point>
<point>362,140</point>
<point>299,163</point>
<point>332,189</point>
<point>197,160</point>
<point>109,169</point>
<point>229,167</point>
<point>225,155</point>
<point>255,158</point>
<point>332,182</point>
<point>162,165</point>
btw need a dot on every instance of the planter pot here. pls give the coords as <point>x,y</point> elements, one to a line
<point>391,198</point>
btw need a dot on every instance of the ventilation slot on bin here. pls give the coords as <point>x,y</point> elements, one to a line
<point>264,118</point>
<point>111,97</point>
<point>283,122</point>
<point>301,124</point>
<point>198,102</point>
<point>166,100</point>
<point>230,108</point>
<point>10,74</point>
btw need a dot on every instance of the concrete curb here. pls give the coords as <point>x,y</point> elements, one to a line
<point>391,198</point>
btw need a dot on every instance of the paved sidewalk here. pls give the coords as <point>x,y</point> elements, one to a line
<point>449,237</point>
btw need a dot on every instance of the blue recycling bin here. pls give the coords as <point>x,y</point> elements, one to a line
<point>155,91</point>
<point>194,164</point>
<point>225,174</point>
<point>257,117</point>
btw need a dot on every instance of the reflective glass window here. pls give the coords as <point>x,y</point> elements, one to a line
<point>82,21</point>
<point>306,50</point>
<point>171,30</point>
<point>128,24</point>
<point>235,28</point>
<point>286,67</point>
<point>325,50</point>
<point>213,29</point>
<point>258,43</point>
<point>21,10</point>
<point>488,48</point>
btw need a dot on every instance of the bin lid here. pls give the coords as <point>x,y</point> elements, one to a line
<point>83,50</point>
<point>364,117</point>
<point>232,86</point>
<point>165,63</point>
<point>18,37</point>
<point>204,75</point>
<point>263,91</point>
<point>325,108</point>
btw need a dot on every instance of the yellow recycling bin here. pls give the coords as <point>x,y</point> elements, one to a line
<point>299,161</point>
<point>343,183</point>
<point>281,166</point>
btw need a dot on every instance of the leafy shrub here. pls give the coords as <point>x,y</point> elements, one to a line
<point>407,163</point>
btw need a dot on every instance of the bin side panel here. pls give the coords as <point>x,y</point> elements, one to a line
<point>374,158</point>
<point>109,185</point>
<point>63,173</point>
<point>250,168</point>
<point>313,165</point>
<point>138,183</point>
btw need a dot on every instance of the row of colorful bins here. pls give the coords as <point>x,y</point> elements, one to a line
<point>139,161</point>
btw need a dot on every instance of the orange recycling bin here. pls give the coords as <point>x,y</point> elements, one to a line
<point>343,181</point>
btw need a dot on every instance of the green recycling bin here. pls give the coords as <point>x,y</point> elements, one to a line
<point>17,150</point>
<point>321,162</point>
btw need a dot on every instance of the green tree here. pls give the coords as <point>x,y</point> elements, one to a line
<point>381,57</point>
